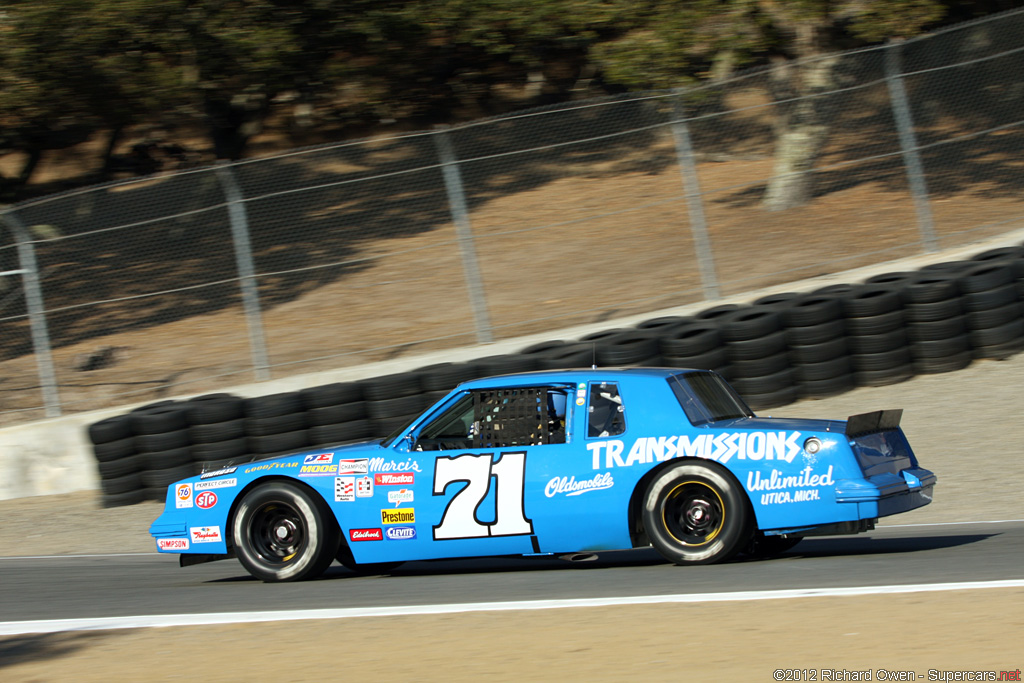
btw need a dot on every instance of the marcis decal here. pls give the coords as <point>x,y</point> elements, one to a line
<point>398,516</point>
<point>778,485</point>
<point>381,465</point>
<point>570,487</point>
<point>781,446</point>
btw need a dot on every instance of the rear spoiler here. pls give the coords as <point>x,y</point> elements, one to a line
<point>872,423</point>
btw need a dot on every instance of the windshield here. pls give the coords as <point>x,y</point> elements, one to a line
<point>706,397</point>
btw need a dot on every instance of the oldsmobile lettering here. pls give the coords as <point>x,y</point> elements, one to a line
<point>781,446</point>
<point>570,487</point>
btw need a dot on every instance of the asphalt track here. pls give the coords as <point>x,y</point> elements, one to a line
<point>84,587</point>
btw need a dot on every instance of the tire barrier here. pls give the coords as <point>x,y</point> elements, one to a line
<point>776,350</point>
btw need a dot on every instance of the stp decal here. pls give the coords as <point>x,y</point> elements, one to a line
<point>206,500</point>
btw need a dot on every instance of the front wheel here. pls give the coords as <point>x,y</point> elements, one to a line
<point>284,533</point>
<point>696,514</point>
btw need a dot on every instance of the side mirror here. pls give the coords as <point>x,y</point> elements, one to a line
<point>404,445</point>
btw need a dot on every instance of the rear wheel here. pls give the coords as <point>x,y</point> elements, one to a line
<point>284,533</point>
<point>696,514</point>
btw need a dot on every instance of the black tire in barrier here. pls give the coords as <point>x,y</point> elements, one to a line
<point>935,310</point>
<point>869,362</point>
<point>112,469</point>
<point>757,348</point>
<point>992,298</point>
<point>984,276</point>
<point>938,329</point>
<point>330,395</point>
<point>334,414</point>
<point>112,450</point>
<point>811,372</point>
<point>824,388</point>
<point>446,376</point>
<point>931,366</point>
<point>930,287</point>
<point>122,484</point>
<point>877,343</point>
<point>217,431</point>
<point>174,457</point>
<point>876,324</point>
<point>816,334</point>
<point>213,408</point>
<point>941,348</point>
<point>822,351</point>
<point>220,450</point>
<point>750,323</point>
<point>715,359</point>
<point>394,407</point>
<point>993,317</point>
<point>692,340</point>
<point>115,428</point>
<point>812,310</point>
<point>264,426</point>
<point>272,405</point>
<point>160,419</point>
<point>871,301</point>
<point>884,377</point>
<point>145,443</point>
<point>278,443</point>
<point>759,367</point>
<point>113,500</point>
<point>356,430</point>
<point>627,348</point>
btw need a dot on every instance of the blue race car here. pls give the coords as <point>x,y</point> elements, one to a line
<point>555,462</point>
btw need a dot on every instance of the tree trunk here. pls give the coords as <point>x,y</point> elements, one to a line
<point>801,129</point>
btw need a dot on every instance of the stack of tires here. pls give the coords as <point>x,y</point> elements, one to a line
<point>557,354</point>
<point>992,303</point>
<point>391,401</point>
<point>755,344</point>
<point>439,379</point>
<point>695,345</point>
<point>217,430</point>
<point>119,464</point>
<point>335,413</point>
<point>876,335</point>
<point>816,335</point>
<point>276,423</point>
<point>162,437</point>
<point>629,348</point>
<point>936,325</point>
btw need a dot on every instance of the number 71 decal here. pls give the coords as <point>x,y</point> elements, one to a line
<point>460,519</point>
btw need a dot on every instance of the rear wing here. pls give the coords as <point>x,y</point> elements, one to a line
<point>873,423</point>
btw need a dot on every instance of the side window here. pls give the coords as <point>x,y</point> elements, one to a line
<point>605,413</point>
<point>520,416</point>
<point>451,430</point>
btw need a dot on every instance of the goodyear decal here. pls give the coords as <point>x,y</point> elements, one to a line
<point>721,447</point>
<point>270,466</point>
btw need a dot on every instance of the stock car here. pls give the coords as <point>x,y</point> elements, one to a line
<point>554,463</point>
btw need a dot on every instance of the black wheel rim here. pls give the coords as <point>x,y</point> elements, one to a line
<point>277,533</point>
<point>694,513</point>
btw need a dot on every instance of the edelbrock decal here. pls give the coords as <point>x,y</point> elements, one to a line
<point>365,535</point>
<point>782,446</point>
<point>570,487</point>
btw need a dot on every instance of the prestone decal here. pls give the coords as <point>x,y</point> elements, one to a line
<point>570,487</point>
<point>721,447</point>
<point>400,516</point>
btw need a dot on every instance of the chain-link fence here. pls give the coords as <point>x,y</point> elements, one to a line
<point>572,214</point>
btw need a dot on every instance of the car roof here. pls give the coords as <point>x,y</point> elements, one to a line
<point>572,376</point>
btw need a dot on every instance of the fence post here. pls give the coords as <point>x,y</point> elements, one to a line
<point>694,200</point>
<point>464,232</point>
<point>246,272</point>
<point>36,313</point>
<point>908,144</point>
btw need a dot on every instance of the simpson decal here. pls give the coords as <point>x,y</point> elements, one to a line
<point>183,496</point>
<point>172,543</point>
<point>781,446</point>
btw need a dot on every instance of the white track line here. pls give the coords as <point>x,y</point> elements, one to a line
<point>12,628</point>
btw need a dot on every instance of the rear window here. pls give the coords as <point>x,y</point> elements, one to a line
<point>706,397</point>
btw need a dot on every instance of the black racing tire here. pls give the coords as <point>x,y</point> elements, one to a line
<point>394,407</point>
<point>391,386</point>
<point>122,484</point>
<point>876,324</point>
<point>816,334</point>
<point>709,360</point>
<point>278,443</point>
<point>446,376</point>
<point>1000,351</point>
<point>219,450</point>
<point>882,360</point>
<point>344,557</point>
<point>766,384</point>
<point>820,352</point>
<point>760,347</point>
<point>994,317</point>
<point>158,419</point>
<point>696,513</point>
<point>750,323</point>
<point>627,348</point>
<point>217,431</point>
<point>113,500</point>
<point>877,343</point>
<point>824,388</point>
<point>992,298</point>
<point>504,364</point>
<point>941,348</point>
<point>930,287</point>
<point>1001,334</point>
<point>284,532</point>
<point>716,313</point>
<point>938,329</point>
<point>772,399</point>
<point>146,443</point>
<point>272,405</point>
<point>173,457</point>
<point>812,310</point>
<point>575,355</point>
<point>277,424</point>
<point>871,301</point>
<point>759,367</point>
<point>692,340</point>
<point>883,378</point>
<point>117,428</point>
<point>357,430</point>
<point>932,366</point>
<point>835,367</point>
<point>112,469</point>
<point>112,450</point>
<point>933,310</point>
<point>986,275</point>
<point>341,412</point>
<point>762,546</point>
<point>214,408</point>
<point>664,325</point>
<point>330,394</point>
